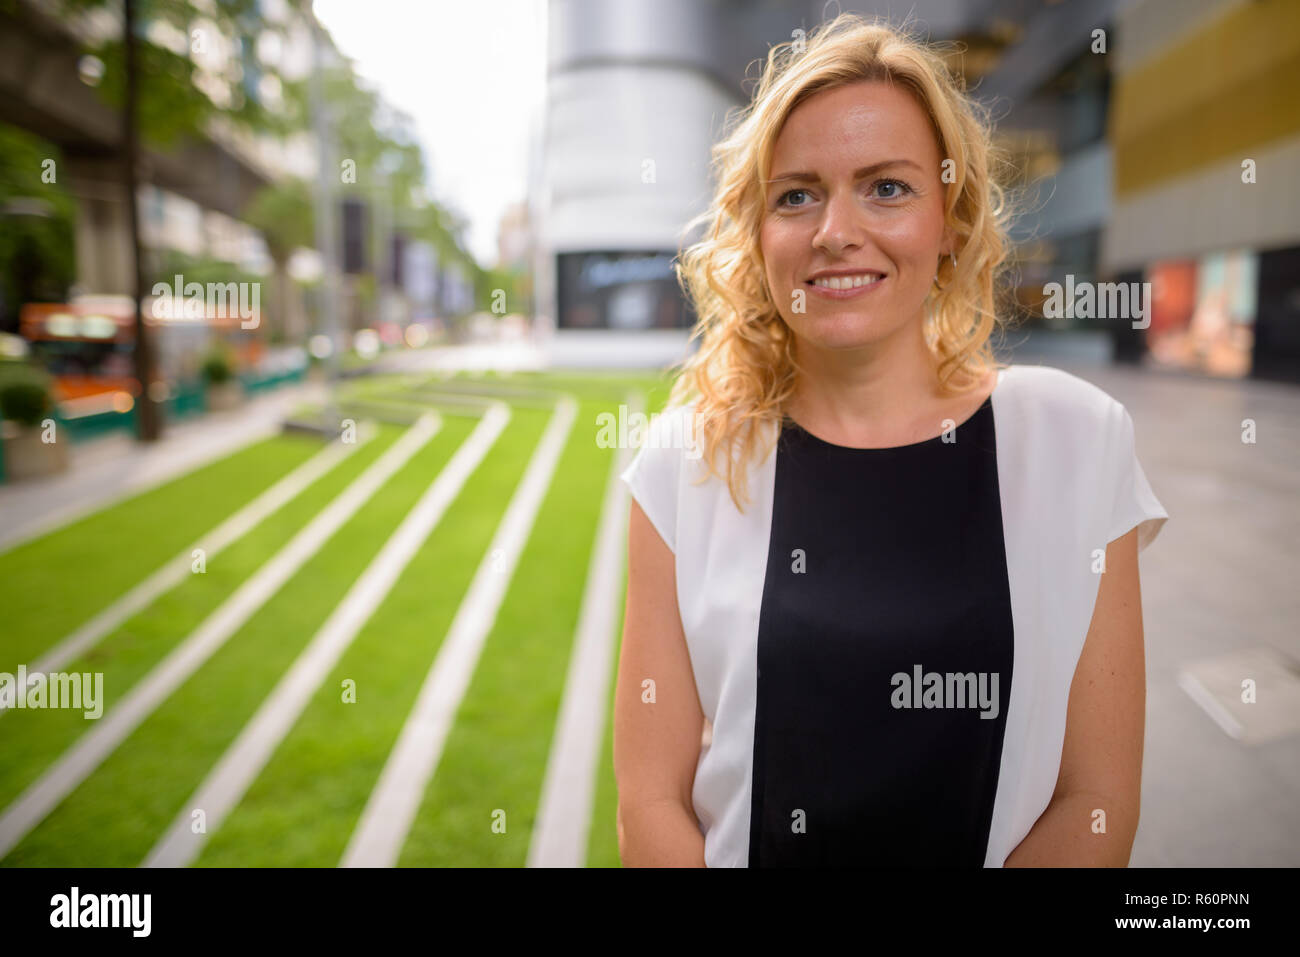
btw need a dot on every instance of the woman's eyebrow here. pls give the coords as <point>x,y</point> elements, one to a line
<point>863,172</point>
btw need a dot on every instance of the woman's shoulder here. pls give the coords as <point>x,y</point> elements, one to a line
<point>1065,420</point>
<point>668,433</point>
<point>1057,396</point>
<point>659,443</point>
<point>1050,384</point>
<point>1078,436</point>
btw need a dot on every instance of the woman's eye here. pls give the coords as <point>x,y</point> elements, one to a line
<point>884,188</point>
<point>895,188</point>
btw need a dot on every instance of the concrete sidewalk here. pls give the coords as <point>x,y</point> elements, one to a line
<point>1218,592</point>
<point>600,349</point>
<point>108,469</point>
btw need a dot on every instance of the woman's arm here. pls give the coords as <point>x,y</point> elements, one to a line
<point>656,745</point>
<point>1101,759</point>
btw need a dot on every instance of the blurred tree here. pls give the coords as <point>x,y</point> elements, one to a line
<point>381,162</point>
<point>285,216</point>
<point>189,82</point>
<point>200,269</point>
<point>37,261</point>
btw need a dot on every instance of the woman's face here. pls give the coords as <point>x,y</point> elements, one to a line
<point>855,202</point>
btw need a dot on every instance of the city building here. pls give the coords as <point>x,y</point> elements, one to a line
<point>1122,121</point>
<point>1205,134</point>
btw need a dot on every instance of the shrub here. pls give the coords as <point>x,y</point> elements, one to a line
<point>25,397</point>
<point>217,368</point>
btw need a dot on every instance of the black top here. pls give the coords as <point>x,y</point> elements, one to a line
<point>884,653</point>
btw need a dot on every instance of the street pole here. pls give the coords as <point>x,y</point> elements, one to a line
<point>384,218</point>
<point>148,414</point>
<point>326,235</point>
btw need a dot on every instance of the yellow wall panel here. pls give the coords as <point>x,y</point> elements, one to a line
<point>1229,87</point>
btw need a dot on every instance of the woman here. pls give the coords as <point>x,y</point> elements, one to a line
<point>899,581</point>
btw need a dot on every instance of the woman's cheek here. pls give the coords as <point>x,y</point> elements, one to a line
<point>780,268</point>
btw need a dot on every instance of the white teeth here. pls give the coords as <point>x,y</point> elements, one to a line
<point>847,282</point>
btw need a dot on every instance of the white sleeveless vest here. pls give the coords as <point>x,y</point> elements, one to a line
<point>1069,483</point>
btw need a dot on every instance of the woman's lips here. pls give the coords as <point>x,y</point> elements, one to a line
<point>852,293</point>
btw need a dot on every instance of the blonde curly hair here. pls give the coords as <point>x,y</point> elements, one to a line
<point>744,370</point>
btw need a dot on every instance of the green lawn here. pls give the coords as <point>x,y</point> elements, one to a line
<point>496,754</point>
<point>52,584</point>
<point>303,806</point>
<point>314,789</point>
<point>164,760</point>
<point>32,740</point>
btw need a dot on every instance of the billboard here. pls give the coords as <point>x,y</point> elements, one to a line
<point>620,290</point>
<point>1203,312</point>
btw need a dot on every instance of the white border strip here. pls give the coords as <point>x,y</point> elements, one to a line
<point>388,815</point>
<point>95,746</point>
<point>568,789</point>
<point>1202,696</point>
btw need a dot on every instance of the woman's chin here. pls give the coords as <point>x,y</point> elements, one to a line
<point>844,331</point>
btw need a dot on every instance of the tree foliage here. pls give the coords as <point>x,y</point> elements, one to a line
<point>37,220</point>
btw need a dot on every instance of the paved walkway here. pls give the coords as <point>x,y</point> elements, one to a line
<point>108,469</point>
<point>596,349</point>
<point>1218,583</point>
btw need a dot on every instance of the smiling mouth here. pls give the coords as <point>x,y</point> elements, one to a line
<point>846,282</point>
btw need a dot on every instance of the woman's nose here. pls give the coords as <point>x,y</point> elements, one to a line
<point>841,225</point>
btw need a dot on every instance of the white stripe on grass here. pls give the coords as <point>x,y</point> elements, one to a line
<point>95,746</point>
<point>564,812</point>
<point>178,569</point>
<point>392,806</point>
<point>230,779</point>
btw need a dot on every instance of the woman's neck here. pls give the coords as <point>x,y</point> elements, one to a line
<point>877,397</point>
